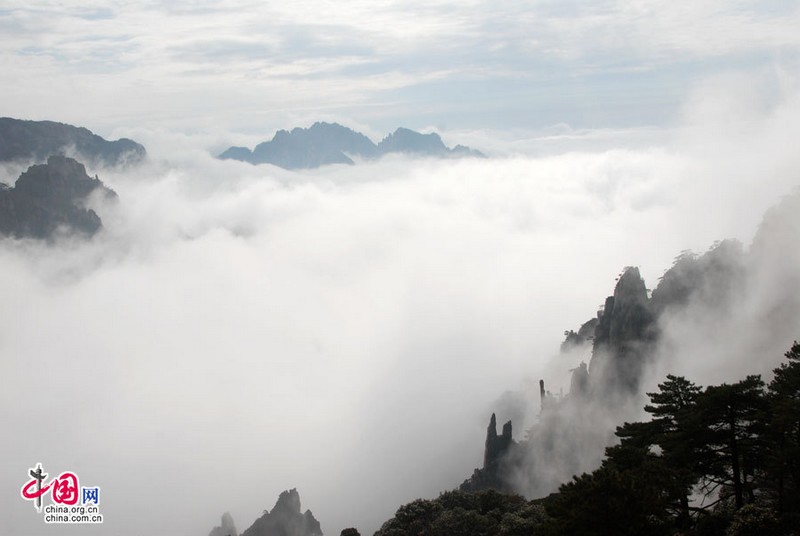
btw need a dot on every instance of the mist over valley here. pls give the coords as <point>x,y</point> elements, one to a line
<point>362,275</point>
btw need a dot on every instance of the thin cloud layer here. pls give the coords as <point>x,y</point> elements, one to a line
<point>243,64</point>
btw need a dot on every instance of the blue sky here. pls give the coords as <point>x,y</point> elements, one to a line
<point>250,66</point>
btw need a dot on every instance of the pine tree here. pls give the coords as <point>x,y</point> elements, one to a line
<point>728,436</point>
<point>783,456</point>
<point>664,441</point>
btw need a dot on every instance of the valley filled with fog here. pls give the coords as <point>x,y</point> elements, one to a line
<point>237,330</point>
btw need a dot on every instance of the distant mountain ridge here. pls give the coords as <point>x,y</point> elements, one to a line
<point>331,143</point>
<point>37,140</point>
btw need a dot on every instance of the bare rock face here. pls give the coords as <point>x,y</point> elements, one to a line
<point>285,519</point>
<point>623,335</point>
<point>37,140</point>
<point>50,198</point>
<point>496,445</point>
<point>498,457</point>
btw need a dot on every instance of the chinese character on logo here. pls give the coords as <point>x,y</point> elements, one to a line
<point>90,495</point>
<point>65,489</point>
<point>38,478</point>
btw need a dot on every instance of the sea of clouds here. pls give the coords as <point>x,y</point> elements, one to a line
<point>235,331</point>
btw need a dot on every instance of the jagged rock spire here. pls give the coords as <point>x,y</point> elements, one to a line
<point>624,330</point>
<point>496,446</point>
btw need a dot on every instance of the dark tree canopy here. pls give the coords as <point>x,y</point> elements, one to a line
<point>719,460</point>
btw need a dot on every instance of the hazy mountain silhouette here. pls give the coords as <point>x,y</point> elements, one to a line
<point>285,519</point>
<point>37,140</point>
<point>226,527</point>
<point>48,198</point>
<point>332,143</point>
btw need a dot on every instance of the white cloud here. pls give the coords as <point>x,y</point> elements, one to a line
<point>343,330</point>
<point>191,65</point>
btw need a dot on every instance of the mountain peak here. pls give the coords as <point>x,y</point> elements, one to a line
<point>226,527</point>
<point>285,519</point>
<point>49,197</point>
<point>404,140</point>
<point>331,143</point>
<point>288,502</point>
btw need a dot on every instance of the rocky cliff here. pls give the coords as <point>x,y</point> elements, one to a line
<point>497,460</point>
<point>623,336</point>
